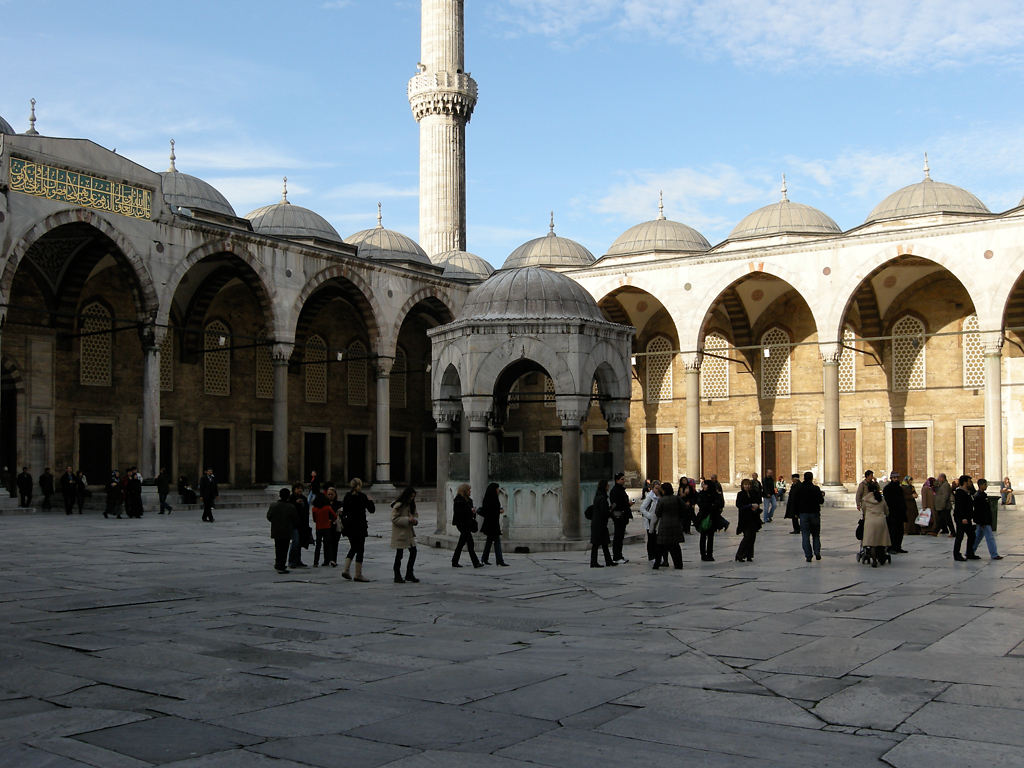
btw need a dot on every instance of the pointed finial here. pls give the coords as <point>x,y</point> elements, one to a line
<point>661,205</point>
<point>785,196</point>
<point>551,225</point>
<point>172,169</point>
<point>32,121</point>
<point>379,216</point>
<point>927,171</point>
<point>284,190</point>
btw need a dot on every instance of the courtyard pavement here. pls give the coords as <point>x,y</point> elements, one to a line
<point>167,641</point>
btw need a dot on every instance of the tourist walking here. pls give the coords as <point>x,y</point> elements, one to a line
<point>24,488</point>
<point>81,489</point>
<point>790,509</point>
<point>323,520</point>
<point>709,518</point>
<point>68,489</point>
<point>963,510</point>
<point>332,499</point>
<point>982,515</point>
<point>163,487</point>
<point>354,508</point>
<point>301,535</point>
<point>669,514</point>
<point>208,493</point>
<point>688,495</point>
<point>944,506</point>
<point>897,517</point>
<point>600,512</point>
<point>928,504</point>
<point>647,505</point>
<point>46,487</point>
<point>748,520</point>
<point>770,501</point>
<point>910,500</point>
<point>403,534</point>
<point>807,499</point>
<point>875,539</point>
<point>115,496</point>
<point>133,493</point>
<point>862,486</point>
<point>620,503</point>
<point>464,520</point>
<point>490,524</point>
<point>281,515</point>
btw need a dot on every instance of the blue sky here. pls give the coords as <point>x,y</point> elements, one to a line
<point>587,107</point>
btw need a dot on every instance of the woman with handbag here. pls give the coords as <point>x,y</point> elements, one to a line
<point>876,540</point>
<point>647,506</point>
<point>464,520</point>
<point>490,513</point>
<point>354,509</point>
<point>748,521</point>
<point>669,514</point>
<point>599,538</point>
<point>403,534</point>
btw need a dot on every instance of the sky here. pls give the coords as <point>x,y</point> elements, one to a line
<point>587,108</point>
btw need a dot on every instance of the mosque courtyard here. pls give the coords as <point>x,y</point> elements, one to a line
<point>166,641</point>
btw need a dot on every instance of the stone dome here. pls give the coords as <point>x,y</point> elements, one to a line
<point>460,265</point>
<point>660,234</point>
<point>784,218</point>
<point>5,127</point>
<point>529,293</point>
<point>549,251</point>
<point>184,191</point>
<point>387,245</point>
<point>292,221</point>
<point>926,196</point>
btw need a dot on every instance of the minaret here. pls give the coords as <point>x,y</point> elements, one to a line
<point>442,96</point>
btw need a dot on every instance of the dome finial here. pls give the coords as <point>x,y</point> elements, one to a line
<point>380,218</point>
<point>284,190</point>
<point>32,120</point>
<point>785,196</point>
<point>172,169</point>
<point>551,224</point>
<point>927,171</point>
<point>661,205</point>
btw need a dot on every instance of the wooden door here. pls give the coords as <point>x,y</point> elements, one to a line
<point>659,457</point>
<point>264,461</point>
<point>217,453</point>
<point>910,452</point>
<point>355,456</point>
<point>314,455</point>
<point>399,445</point>
<point>848,455</point>
<point>599,443</point>
<point>974,452</point>
<point>776,453</point>
<point>95,444</point>
<point>714,455</point>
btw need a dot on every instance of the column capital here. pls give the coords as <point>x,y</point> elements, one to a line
<point>382,366</point>
<point>616,413</point>
<point>992,342</point>
<point>571,410</point>
<point>446,413</point>
<point>691,361</point>
<point>151,335</point>
<point>281,352</point>
<point>830,352</point>
<point>478,411</point>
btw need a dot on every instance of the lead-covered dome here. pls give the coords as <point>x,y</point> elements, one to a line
<point>926,196</point>
<point>549,251</point>
<point>784,218</point>
<point>461,265</point>
<point>529,293</point>
<point>5,127</point>
<point>659,234</point>
<point>387,244</point>
<point>182,190</point>
<point>291,221</point>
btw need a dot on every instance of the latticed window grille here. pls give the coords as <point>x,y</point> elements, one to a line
<point>167,362</point>
<point>399,379</point>
<point>316,370</point>
<point>513,395</point>
<point>357,373</point>
<point>94,363</point>
<point>264,368</point>
<point>549,392</point>
<point>659,370</point>
<point>217,359</point>
<point>847,363</point>
<point>714,371</point>
<point>775,349</point>
<point>974,354</point>
<point>908,361</point>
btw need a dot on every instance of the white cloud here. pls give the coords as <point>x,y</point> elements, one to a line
<point>371,190</point>
<point>248,192</point>
<point>786,33</point>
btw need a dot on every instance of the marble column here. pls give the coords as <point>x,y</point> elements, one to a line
<point>571,411</point>
<point>993,343</point>
<point>445,416</point>
<point>280,355</point>
<point>693,444</point>
<point>382,369</point>
<point>615,413</point>
<point>151,338</point>
<point>830,354</point>
<point>477,411</point>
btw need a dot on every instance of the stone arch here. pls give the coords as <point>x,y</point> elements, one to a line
<point>617,313</point>
<point>143,289</point>
<point>612,371</point>
<point>491,367</point>
<point>440,302</point>
<point>362,297</point>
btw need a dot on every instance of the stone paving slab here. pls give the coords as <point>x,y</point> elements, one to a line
<point>936,752</point>
<point>163,739</point>
<point>998,725</point>
<point>879,702</point>
<point>828,656</point>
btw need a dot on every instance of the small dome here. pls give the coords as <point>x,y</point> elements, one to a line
<point>784,218</point>
<point>5,127</point>
<point>291,221</point>
<point>661,234</point>
<point>460,265</point>
<point>926,196</point>
<point>529,292</point>
<point>387,244</point>
<point>184,191</point>
<point>549,251</point>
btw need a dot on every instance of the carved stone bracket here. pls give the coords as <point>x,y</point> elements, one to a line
<point>992,342</point>
<point>478,411</point>
<point>446,413</point>
<point>692,360</point>
<point>281,352</point>
<point>616,413</point>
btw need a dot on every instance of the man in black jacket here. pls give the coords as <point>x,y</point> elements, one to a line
<point>619,502</point>
<point>790,509</point>
<point>24,488</point>
<point>983,523</point>
<point>68,489</point>
<point>963,511</point>
<point>46,487</point>
<point>208,492</point>
<point>282,516</point>
<point>807,499</point>
<point>893,494</point>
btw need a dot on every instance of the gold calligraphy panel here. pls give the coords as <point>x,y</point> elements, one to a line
<point>53,183</point>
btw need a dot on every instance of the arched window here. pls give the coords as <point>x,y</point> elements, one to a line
<point>908,371</point>
<point>775,349</point>
<point>357,370</point>
<point>549,392</point>
<point>316,370</point>
<point>974,354</point>
<point>95,346</point>
<point>217,359</point>
<point>714,371</point>
<point>167,362</point>
<point>264,367</point>
<point>847,366</point>
<point>399,379</point>
<point>659,370</point>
